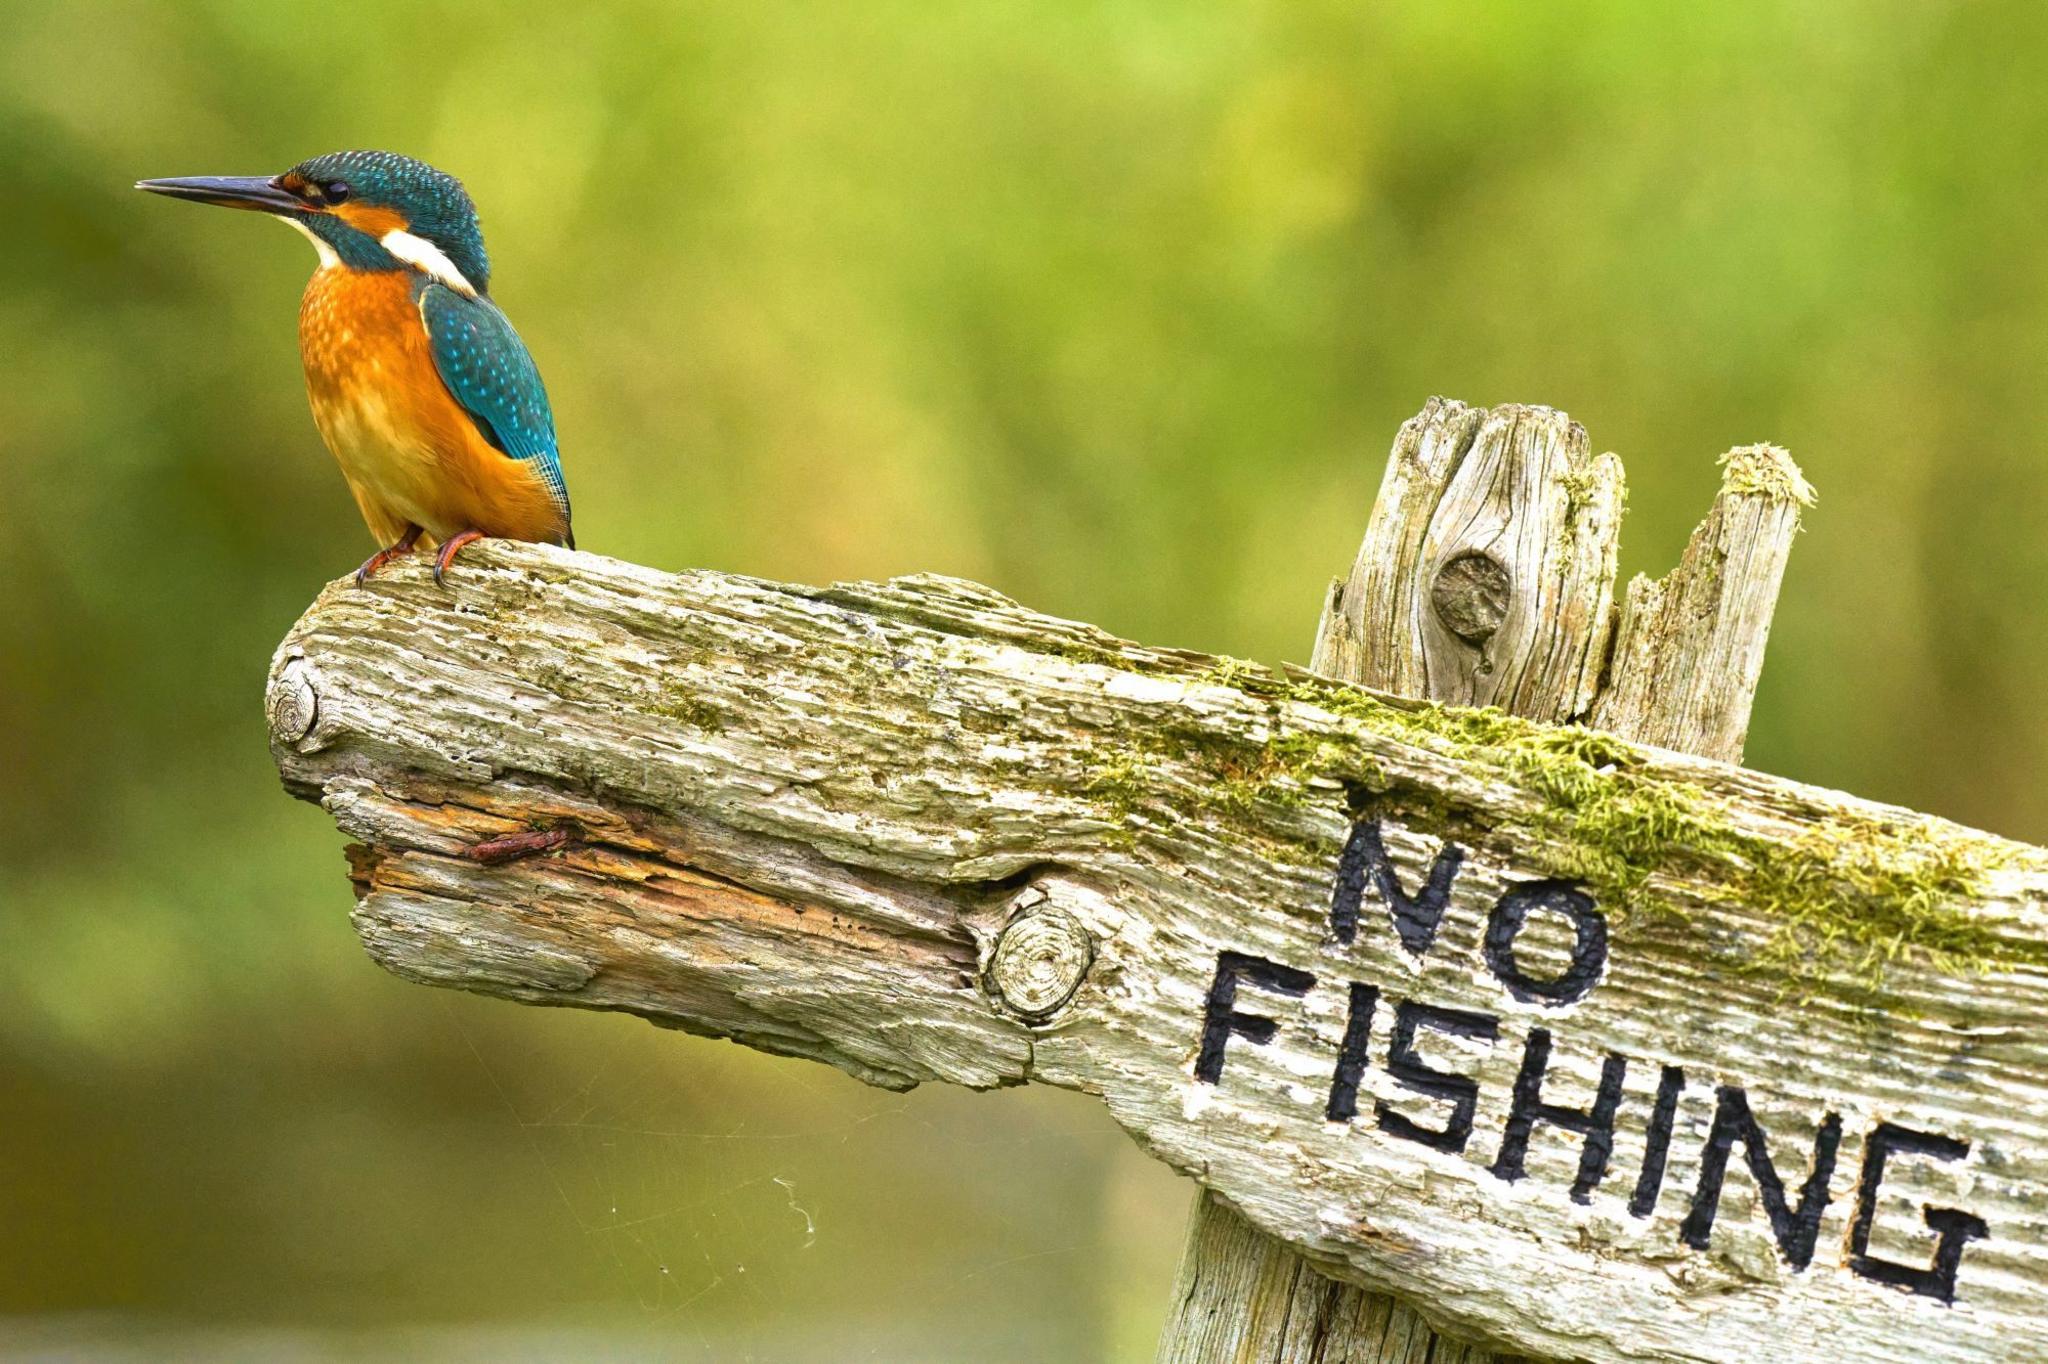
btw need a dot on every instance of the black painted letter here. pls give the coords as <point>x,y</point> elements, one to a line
<point>1953,1228</point>
<point>1795,1228</point>
<point>1589,947</point>
<point>1596,1125</point>
<point>1220,1018</point>
<point>1657,1142</point>
<point>1415,920</point>
<point>1343,1105</point>
<point>1460,1091</point>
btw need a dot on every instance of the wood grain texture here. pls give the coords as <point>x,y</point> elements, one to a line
<point>1245,1296</point>
<point>1690,646</point>
<point>1486,577</point>
<point>803,818</point>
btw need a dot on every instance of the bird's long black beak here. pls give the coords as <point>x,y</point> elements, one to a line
<point>228,191</point>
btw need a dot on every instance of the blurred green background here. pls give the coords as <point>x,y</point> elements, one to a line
<point>1115,306</point>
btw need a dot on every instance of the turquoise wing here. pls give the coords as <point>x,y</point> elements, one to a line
<point>488,371</point>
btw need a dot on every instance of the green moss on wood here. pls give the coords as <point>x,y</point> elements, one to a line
<point>1120,779</point>
<point>1765,471</point>
<point>679,704</point>
<point>1853,891</point>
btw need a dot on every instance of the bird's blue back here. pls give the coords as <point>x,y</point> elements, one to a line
<point>490,373</point>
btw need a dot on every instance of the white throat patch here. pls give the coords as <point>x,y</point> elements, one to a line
<point>328,260</point>
<point>423,255</point>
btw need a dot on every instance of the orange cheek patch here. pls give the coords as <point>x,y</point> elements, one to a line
<point>370,219</point>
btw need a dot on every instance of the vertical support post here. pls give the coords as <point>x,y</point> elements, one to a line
<point>1486,577</point>
<point>1690,645</point>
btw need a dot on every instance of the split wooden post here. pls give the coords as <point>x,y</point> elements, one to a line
<point>1486,577</point>
<point>1629,1056</point>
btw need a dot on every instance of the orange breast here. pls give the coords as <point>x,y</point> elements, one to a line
<point>410,453</point>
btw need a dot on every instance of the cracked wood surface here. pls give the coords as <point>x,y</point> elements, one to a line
<point>804,819</point>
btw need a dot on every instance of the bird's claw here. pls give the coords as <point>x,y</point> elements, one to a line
<point>446,554</point>
<point>398,549</point>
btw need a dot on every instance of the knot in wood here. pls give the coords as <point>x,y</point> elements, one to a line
<point>292,704</point>
<point>1471,596</point>
<point>1039,962</point>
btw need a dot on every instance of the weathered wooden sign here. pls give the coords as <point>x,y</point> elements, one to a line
<point>1597,1051</point>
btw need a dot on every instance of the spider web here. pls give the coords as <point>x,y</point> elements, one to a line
<point>720,1204</point>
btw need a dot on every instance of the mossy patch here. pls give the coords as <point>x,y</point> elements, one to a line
<point>1852,890</point>
<point>1765,471</point>
<point>1120,779</point>
<point>679,704</point>
<point>1233,778</point>
<point>1247,782</point>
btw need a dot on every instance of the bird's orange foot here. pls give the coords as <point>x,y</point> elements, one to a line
<point>396,549</point>
<point>446,554</point>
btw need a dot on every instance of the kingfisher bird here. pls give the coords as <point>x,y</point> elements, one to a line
<point>419,385</point>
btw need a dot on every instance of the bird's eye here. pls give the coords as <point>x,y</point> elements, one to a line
<point>336,191</point>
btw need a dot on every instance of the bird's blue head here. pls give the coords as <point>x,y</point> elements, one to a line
<point>365,210</point>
